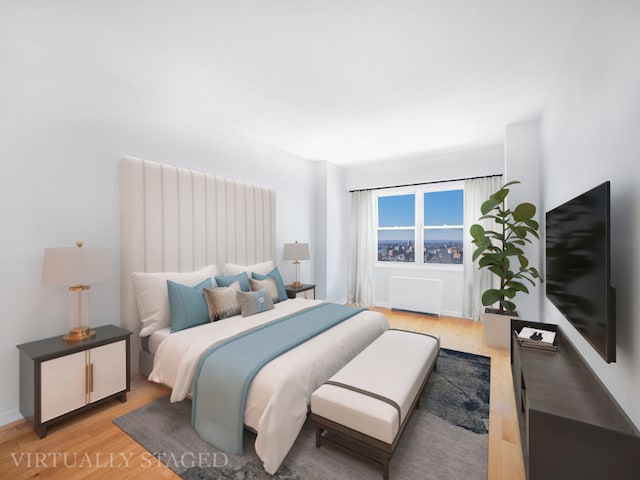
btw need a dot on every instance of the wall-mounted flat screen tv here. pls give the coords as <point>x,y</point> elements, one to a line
<point>578,267</point>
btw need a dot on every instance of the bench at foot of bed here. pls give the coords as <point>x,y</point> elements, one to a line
<point>370,400</point>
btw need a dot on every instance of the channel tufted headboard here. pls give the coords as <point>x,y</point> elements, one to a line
<point>178,220</point>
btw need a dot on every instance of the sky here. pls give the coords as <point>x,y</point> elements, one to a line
<point>440,208</point>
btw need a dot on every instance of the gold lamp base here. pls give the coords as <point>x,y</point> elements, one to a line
<point>79,334</point>
<point>296,284</point>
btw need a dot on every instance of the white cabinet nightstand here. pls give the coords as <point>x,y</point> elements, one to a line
<point>58,379</point>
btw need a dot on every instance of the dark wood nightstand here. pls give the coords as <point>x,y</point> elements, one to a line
<point>293,292</point>
<point>59,379</point>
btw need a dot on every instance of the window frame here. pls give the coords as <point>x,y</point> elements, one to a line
<point>418,227</point>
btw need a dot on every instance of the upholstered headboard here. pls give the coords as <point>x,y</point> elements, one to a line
<point>178,220</point>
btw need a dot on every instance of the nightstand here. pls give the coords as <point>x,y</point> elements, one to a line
<point>59,379</point>
<point>295,292</point>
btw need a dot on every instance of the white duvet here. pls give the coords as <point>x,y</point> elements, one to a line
<point>279,395</point>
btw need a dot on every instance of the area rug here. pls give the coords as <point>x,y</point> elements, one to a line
<point>447,438</point>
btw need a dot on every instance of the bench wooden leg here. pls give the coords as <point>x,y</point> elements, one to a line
<point>318,437</point>
<point>385,468</point>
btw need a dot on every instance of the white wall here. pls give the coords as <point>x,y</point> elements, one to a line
<point>591,133</point>
<point>522,163</point>
<point>487,160</point>
<point>64,127</point>
<point>330,232</point>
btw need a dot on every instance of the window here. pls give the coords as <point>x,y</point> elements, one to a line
<point>443,226</point>
<point>396,228</point>
<point>432,218</point>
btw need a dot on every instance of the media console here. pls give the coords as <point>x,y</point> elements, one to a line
<point>570,426</point>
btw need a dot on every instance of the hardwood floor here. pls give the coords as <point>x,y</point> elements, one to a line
<point>91,446</point>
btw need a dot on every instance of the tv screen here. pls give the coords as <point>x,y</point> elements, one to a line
<point>578,278</point>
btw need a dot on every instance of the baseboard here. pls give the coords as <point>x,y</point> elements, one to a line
<point>446,313</point>
<point>10,416</point>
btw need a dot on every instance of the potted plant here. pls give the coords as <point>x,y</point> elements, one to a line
<point>501,252</point>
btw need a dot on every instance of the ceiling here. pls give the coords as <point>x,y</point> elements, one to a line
<point>343,81</point>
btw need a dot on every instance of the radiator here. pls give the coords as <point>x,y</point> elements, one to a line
<point>416,294</point>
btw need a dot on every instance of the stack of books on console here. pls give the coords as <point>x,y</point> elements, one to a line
<point>537,338</point>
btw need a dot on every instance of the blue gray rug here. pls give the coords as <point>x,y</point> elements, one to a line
<point>447,438</point>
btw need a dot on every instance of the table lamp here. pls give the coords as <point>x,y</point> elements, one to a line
<point>296,252</point>
<point>76,268</point>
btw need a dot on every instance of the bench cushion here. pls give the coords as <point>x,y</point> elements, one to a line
<point>393,366</point>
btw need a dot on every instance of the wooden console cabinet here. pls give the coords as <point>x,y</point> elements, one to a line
<point>58,379</point>
<point>570,425</point>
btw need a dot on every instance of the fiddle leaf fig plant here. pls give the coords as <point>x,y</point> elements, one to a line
<point>501,251</point>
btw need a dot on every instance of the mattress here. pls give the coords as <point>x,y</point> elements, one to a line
<point>156,338</point>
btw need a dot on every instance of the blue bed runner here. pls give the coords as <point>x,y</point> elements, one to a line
<point>225,372</point>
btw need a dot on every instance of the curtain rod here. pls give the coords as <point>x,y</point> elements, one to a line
<point>424,183</point>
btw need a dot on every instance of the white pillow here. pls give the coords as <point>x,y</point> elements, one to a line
<point>152,295</point>
<point>263,268</point>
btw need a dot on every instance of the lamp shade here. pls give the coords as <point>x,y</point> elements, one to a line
<point>296,251</point>
<point>76,265</point>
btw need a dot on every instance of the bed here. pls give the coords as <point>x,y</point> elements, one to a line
<point>195,225</point>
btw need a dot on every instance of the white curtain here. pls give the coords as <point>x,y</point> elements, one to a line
<point>362,249</point>
<point>476,281</point>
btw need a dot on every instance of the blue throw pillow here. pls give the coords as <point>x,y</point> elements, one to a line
<point>187,305</point>
<point>275,274</point>
<point>242,277</point>
<point>254,302</point>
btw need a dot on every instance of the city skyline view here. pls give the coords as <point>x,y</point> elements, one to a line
<point>434,251</point>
